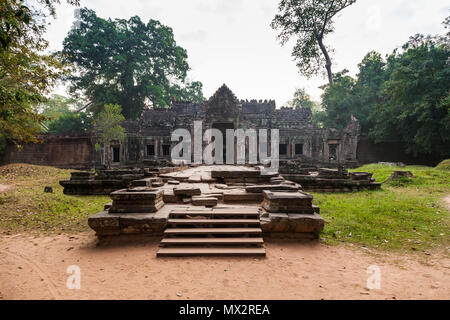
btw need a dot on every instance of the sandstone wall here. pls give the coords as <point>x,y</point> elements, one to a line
<point>71,151</point>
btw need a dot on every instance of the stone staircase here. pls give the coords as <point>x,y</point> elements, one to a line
<point>213,232</point>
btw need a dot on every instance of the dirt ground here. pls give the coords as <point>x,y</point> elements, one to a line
<point>4,188</point>
<point>36,268</point>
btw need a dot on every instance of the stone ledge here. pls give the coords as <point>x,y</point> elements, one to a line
<point>274,223</point>
<point>107,224</point>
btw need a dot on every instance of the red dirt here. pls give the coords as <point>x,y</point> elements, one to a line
<point>4,188</point>
<point>35,268</point>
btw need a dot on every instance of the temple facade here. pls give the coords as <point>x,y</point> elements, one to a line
<point>149,137</point>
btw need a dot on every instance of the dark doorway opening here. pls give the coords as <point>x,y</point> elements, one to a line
<point>150,150</point>
<point>283,149</point>
<point>166,150</point>
<point>115,154</point>
<point>299,149</point>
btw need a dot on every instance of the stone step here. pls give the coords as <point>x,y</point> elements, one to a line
<point>212,241</point>
<point>215,214</point>
<point>242,197</point>
<point>212,231</point>
<point>214,221</point>
<point>187,252</point>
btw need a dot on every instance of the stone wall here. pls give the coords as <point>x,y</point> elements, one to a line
<point>64,151</point>
<point>394,151</point>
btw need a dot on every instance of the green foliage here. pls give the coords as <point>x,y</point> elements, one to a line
<point>404,98</point>
<point>26,75</point>
<point>309,21</point>
<point>71,123</point>
<point>338,101</point>
<point>108,128</point>
<point>61,119</point>
<point>303,100</point>
<point>56,106</point>
<point>444,165</point>
<point>416,99</point>
<point>127,62</point>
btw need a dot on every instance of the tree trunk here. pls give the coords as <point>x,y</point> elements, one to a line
<point>328,63</point>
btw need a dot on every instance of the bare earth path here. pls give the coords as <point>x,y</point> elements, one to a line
<point>4,188</point>
<point>35,268</point>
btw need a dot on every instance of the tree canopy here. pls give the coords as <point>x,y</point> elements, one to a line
<point>405,97</point>
<point>127,62</point>
<point>309,21</point>
<point>26,75</point>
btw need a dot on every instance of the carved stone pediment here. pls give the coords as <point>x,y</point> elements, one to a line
<point>223,105</point>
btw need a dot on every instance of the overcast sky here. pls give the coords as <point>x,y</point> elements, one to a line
<point>230,41</point>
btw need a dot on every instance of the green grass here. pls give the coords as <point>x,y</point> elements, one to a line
<point>444,165</point>
<point>26,208</point>
<point>408,214</point>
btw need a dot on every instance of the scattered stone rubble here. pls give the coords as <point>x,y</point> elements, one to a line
<point>334,180</point>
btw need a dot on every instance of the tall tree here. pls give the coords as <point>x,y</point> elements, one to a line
<point>108,128</point>
<point>338,100</point>
<point>310,21</point>
<point>415,107</point>
<point>26,75</point>
<point>126,62</point>
<point>301,100</point>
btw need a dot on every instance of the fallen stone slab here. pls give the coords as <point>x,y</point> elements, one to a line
<point>235,174</point>
<point>187,191</point>
<point>170,197</point>
<point>147,182</point>
<point>361,176</point>
<point>400,175</point>
<point>288,202</point>
<point>276,187</point>
<point>173,182</point>
<point>194,179</point>
<point>204,201</point>
<point>219,196</point>
<point>242,197</point>
<point>82,175</point>
<point>125,201</point>
<point>295,226</point>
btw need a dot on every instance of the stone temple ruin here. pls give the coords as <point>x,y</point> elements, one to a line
<point>149,137</point>
<point>199,210</point>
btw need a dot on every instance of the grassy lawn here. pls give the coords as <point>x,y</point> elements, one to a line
<point>407,215</point>
<point>26,207</point>
<point>404,215</point>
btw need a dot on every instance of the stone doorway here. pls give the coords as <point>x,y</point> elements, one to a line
<point>222,127</point>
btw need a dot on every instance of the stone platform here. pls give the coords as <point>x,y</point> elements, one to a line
<point>334,180</point>
<point>144,210</point>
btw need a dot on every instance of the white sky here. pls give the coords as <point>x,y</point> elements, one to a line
<point>231,41</point>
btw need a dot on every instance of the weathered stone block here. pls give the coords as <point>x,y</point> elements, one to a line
<point>281,223</point>
<point>125,201</point>
<point>284,202</point>
<point>187,191</point>
<point>104,223</point>
<point>204,201</point>
<point>277,187</point>
<point>242,197</point>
